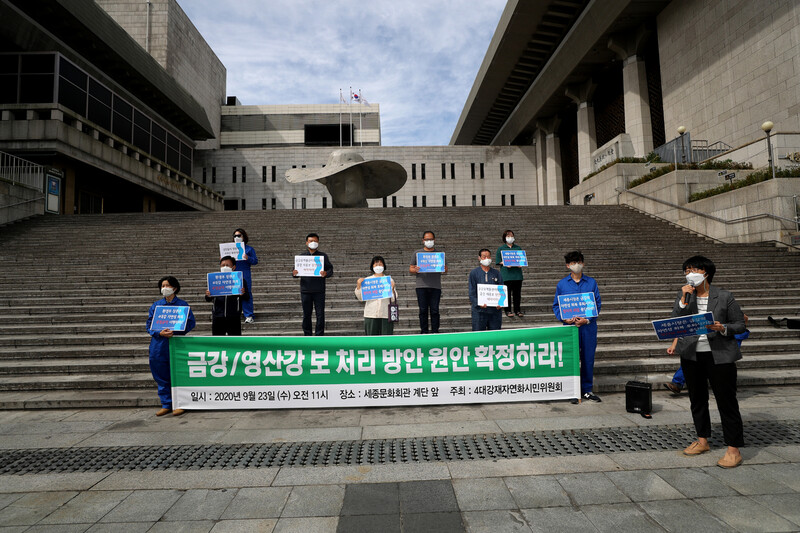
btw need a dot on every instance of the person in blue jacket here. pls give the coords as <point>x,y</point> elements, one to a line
<point>159,343</point>
<point>577,283</point>
<point>243,266</point>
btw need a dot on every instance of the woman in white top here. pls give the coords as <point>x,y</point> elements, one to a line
<point>376,312</point>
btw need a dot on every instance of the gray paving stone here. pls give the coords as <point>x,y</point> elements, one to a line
<point>621,518</point>
<point>116,527</point>
<point>786,473</point>
<point>537,491</point>
<point>558,520</point>
<point>143,506</point>
<point>317,524</point>
<point>532,466</point>
<point>13,529</point>
<point>427,497</point>
<point>237,436</point>
<point>59,528</point>
<point>432,523</point>
<point>394,431</point>
<point>384,523</point>
<point>189,479</point>
<point>661,459</point>
<point>337,475</point>
<point>506,521</point>
<point>559,423</point>
<point>314,500</point>
<point>51,482</point>
<point>7,499</point>
<point>86,508</point>
<point>695,483</point>
<point>748,479</point>
<point>591,488</point>
<point>786,505</point>
<point>200,504</point>
<point>31,508</point>
<point>263,525</point>
<point>744,514</point>
<point>257,502</point>
<point>641,486</point>
<point>152,438</point>
<point>371,499</point>
<point>29,427</point>
<point>61,440</point>
<point>683,515</point>
<point>193,526</point>
<point>483,494</point>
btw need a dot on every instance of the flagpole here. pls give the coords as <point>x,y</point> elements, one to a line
<point>350,109</point>
<point>341,98</point>
<point>360,127</point>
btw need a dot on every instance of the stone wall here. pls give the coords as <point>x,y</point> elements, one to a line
<point>18,202</point>
<point>729,65</point>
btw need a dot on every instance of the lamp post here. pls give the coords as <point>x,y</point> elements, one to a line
<point>767,127</point>
<point>682,130</point>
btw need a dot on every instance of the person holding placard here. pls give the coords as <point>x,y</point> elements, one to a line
<point>579,283</point>
<point>312,285</point>
<point>249,259</point>
<point>159,342</point>
<point>428,282</point>
<point>226,311</point>
<point>376,310</point>
<point>512,275</point>
<point>711,358</point>
<point>484,316</point>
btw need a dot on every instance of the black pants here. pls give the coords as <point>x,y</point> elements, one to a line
<point>231,325</point>
<point>514,294</point>
<point>428,299</point>
<point>723,382</point>
<point>317,300</point>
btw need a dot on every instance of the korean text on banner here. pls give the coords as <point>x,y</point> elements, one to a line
<point>225,283</point>
<point>308,265</point>
<point>454,368</point>
<point>376,288</point>
<point>233,249</point>
<point>430,261</point>
<point>514,258</point>
<point>492,295</point>
<point>683,326</point>
<point>172,317</point>
<point>581,305</point>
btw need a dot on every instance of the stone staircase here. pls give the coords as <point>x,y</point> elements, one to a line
<point>75,292</point>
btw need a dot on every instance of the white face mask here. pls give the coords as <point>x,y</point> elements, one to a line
<point>510,240</point>
<point>167,291</point>
<point>238,239</point>
<point>429,244</point>
<point>695,278</point>
<point>225,269</point>
<point>486,262</point>
<point>313,245</point>
<point>377,269</point>
<point>576,268</point>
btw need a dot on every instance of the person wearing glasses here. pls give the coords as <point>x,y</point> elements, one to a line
<point>711,358</point>
<point>243,266</point>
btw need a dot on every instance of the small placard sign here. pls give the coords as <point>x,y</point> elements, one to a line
<point>683,326</point>
<point>233,249</point>
<point>376,288</point>
<point>172,317</point>
<point>225,283</point>
<point>492,295</point>
<point>309,265</point>
<point>514,258</point>
<point>582,305</point>
<point>430,261</point>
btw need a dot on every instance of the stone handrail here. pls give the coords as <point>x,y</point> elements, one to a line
<point>22,203</point>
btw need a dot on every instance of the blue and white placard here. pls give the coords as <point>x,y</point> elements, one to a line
<point>233,249</point>
<point>225,283</point>
<point>514,258</point>
<point>309,265</point>
<point>683,326</point>
<point>376,288</point>
<point>430,261</point>
<point>492,295</point>
<point>172,317</point>
<point>582,305</point>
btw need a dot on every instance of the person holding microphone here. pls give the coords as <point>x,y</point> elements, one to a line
<point>711,358</point>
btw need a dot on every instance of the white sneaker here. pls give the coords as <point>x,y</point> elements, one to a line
<point>249,320</point>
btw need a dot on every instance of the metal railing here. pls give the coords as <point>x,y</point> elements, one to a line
<point>686,150</point>
<point>21,172</point>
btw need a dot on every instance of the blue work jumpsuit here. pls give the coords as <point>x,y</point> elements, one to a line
<point>159,351</point>
<point>587,335</point>
<point>244,268</point>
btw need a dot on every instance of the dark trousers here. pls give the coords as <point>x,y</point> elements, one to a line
<point>428,299</point>
<point>722,377</point>
<point>317,300</point>
<point>488,319</point>
<point>231,325</point>
<point>159,367</point>
<point>514,294</point>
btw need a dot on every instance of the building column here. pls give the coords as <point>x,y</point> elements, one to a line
<point>554,194</point>
<point>587,136</point>
<point>638,125</point>
<point>540,140</point>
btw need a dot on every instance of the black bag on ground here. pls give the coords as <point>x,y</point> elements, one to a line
<point>639,397</point>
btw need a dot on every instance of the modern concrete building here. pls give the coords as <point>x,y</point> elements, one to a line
<point>79,94</point>
<point>585,82</point>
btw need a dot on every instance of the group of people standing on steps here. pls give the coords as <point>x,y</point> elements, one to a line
<point>705,359</point>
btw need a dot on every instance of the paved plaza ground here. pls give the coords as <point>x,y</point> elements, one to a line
<point>584,490</point>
